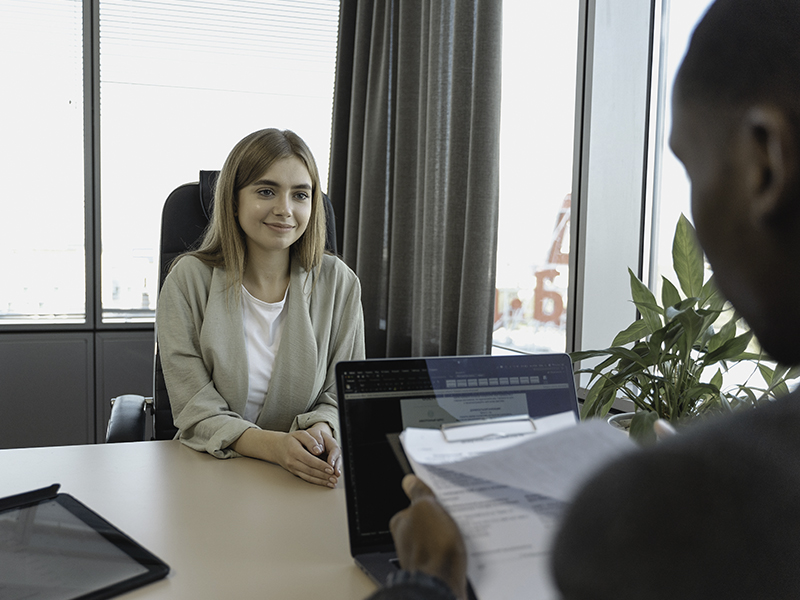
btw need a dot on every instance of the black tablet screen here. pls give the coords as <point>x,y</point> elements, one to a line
<point>58,549</point>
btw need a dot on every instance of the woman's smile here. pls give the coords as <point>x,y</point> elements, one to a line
<point>280,227</point>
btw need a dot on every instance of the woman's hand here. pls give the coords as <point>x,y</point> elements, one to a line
<point>299,452</point>
<point>428,540</point>
<point>327,446</point>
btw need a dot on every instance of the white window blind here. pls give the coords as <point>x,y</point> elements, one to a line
<point>181,82</point>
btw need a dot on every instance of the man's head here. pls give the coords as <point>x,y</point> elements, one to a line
<point>736,128</point>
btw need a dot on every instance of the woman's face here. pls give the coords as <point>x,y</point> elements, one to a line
<point>274,211</point>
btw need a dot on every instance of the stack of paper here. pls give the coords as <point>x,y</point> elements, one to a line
<point>507,492</point>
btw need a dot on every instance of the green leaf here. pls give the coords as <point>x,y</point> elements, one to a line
<point>671,334</point>
<point>649,306</point>
<point>635,331</point>
<point>709,315</point>
<point>693,327</point>
<point>708,333</point>
<point>780,372</point>
<point>670,295</point>
<point>698,398</point>
<point>584,354</point>
<point>775,379</point>
<point>750,397</point>
<point>778,389</point>
<point>646,302</point>
<point>632,356</point>
<point>596,399</point>
<point>767,373</point>
<point>726,332</point>
<point>687,258</point>
<point>614,353</point>
<point>716,380</point>
<point>731,349</point>
<point>681,307</point>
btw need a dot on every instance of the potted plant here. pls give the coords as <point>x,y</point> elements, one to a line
<point>681,346</point>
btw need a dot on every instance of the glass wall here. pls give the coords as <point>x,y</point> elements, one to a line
<point>42,162</point>
<point>180,84</point>
<point>540,46</point>
<point>670,189</point>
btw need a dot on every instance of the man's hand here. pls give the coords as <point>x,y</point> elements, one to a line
<point>428,540</point>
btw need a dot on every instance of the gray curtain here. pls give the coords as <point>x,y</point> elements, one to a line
<point>414,169</point>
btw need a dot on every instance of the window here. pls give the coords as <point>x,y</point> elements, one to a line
<point>180,83</point>
<point>540,47</point>
<point>670,185</point>
<point>42,157</point>
<point>602,94</point>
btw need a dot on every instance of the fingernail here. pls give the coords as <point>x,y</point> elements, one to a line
<point>329,471</point>
<point>317,449</point>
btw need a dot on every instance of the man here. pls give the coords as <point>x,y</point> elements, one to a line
<point>713,512</point>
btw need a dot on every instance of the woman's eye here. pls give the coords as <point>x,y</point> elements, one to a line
<point>302,196</point>
<point>265,193</point>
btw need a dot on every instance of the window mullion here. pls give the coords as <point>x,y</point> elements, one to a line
<point>91,153</point>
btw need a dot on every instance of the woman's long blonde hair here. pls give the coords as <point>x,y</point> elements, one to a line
<point>224,243</point>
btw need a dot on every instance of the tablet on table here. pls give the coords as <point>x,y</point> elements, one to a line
<point>53,547</point>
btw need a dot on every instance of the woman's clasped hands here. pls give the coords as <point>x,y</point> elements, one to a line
<point>312,454</point>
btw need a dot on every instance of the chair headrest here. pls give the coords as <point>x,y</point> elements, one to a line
<point>208,181</point>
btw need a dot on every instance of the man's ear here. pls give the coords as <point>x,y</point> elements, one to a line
<point>770,160</point>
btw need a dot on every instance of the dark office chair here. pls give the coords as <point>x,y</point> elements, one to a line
<point>184,218</point>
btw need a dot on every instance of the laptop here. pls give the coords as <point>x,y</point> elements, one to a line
<point>379,398</point>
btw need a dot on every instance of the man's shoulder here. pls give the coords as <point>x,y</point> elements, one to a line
<point>781,414</point>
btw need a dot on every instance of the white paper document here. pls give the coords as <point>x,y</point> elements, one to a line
<point>454,444</point>
<point>507,495</point>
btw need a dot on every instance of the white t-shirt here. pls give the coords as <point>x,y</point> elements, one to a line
<point>263,324</point>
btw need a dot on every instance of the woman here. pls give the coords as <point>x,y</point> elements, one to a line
<point>251,325</point>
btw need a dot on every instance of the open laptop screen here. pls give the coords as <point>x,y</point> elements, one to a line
<point>380,397</point>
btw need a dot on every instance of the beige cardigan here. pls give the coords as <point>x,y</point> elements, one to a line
<point>201,342</point>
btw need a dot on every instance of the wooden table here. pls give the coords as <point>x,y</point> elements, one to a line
<point>238,528</point>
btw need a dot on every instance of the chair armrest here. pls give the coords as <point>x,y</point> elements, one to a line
<point>128,419</point>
